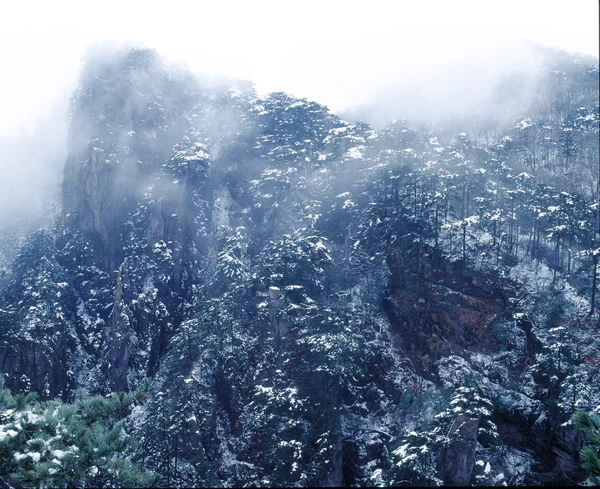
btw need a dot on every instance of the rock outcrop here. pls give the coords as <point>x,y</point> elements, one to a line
<point>127,115</point>
<point>456,463</point>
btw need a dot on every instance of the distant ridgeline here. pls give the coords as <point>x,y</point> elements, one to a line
<point>313,302</point>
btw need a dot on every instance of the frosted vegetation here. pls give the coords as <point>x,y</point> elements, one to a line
<point>234,290</point>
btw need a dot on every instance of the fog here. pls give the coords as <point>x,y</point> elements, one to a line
<point>457,87</point>
<point>423,60</point>
<point>340,53</point>
<point>30,174</point>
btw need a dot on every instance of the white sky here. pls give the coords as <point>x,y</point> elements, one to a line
<point>336,52</point>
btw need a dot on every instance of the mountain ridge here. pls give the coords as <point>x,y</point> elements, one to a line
<point>313,300</point>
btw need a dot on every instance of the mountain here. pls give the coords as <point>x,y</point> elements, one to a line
<point>292,299</point>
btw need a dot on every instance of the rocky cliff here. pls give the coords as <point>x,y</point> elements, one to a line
<point>315,302</point>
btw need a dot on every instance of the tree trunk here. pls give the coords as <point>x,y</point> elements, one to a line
<point>594,280</point>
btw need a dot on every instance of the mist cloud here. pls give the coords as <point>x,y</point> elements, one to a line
<point>423,61</point>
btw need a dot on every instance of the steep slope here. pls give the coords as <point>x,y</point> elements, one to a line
<point>316,302</point>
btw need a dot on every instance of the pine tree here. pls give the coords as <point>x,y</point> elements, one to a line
<point>590,455</point>
<point>68,444</point>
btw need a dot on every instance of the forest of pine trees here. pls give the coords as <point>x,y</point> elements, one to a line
<point>246,291</point>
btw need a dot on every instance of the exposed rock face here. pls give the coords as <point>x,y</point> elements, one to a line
<point>119,335</point>
<point>135,183</point>
<point>169,227</point>
<point>91,187</point>
<point>335,477</point>
<point>534,345</point>
<point>350,461</point>
<point>276,304</point>
<point>560,463</point>
<point>182,212</point>
<point>569,442</point>
<point>438,306</point>
<point>31,366</point>
<point>457,461</point>
<point>119,136</point>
